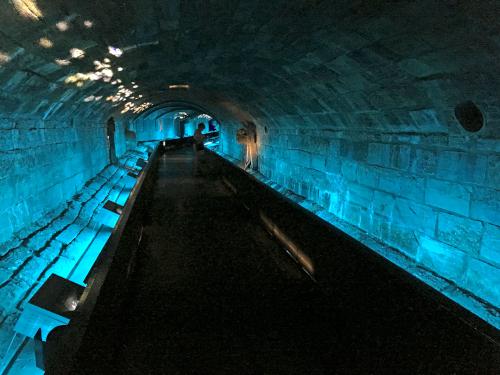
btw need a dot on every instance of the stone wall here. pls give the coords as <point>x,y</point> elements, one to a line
<point>165,127</point>
<point>432,196</point>
<point>43,164</point>
<point>121,125</point>
<point>151,129</point>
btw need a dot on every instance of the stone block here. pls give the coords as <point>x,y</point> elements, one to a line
<point>69,234</point>
<point>352,212</point>
<point>427,119</point>
<point>460,232</point>
<point>357,151</point>
<point>483,280</point>
<point>449,196</point>
<point>367,175</point>
<point>416,216</point>
<point>493,171</point>
<point>334,148</point>
<point>318,162</point>
<point>333,165</point>
<point>402,238</point>
<point>349,169</point>
<point>29,138</point>
<point>410,187</point>
<point>462,167</point>
<point>379,154</point>
<point>6,123</point>
<point>383,203</point>
<point>299,157</point>
<point>445,260</point>
<point>415,67</point>
<point>490,247</point>
<point>359,195</point>
<point>425,162</point>
<point>12,293</point>
<point>400,157</point>
<point>9,140</point>
<point>485,205</point>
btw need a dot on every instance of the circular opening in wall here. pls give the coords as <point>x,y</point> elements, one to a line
<point>469,116</point>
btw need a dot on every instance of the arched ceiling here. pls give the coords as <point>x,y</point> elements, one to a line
<point>356,63</point>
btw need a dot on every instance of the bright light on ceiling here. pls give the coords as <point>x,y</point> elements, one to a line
<point>117,52</point>
<point>179,86</point>
<point>28,9</point>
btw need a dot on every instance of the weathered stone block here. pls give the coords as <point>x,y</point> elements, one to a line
<point>446,261</point>
<point>416,216</point>
<point>299,157</point>
<point>410,187</point>
<point>460,232</point>
<point>425,162</point>
<point>493,171</point>
<point>383,203</point>
<point>490,247</point>
<point>485,205</point>
<point>400,157</point>
<point>349,169</point>
<point>448,196</point>
<point>379,154</point>
<point>461,167</point>
<point>318,162</point>
<point>402,238</point>
<point>352,212</point>
<point>6,123</point>
<point>366,175</point>
<point>69,234</point>
<point>333,165</point>
<point>9,139</point>
<point>483,280</point>
<point>359,195</point>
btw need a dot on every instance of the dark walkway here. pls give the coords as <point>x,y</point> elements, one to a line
<point>214,294</point>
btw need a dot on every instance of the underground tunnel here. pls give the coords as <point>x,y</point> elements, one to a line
<point>347,214</point>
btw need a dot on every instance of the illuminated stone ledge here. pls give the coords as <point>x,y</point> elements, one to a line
<point>484,310</point>
<point>66,244</point>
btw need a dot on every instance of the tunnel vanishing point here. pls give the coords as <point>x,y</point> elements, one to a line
<point>378,120</point>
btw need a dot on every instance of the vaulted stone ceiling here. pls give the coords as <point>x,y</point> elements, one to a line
<point>358,64</point>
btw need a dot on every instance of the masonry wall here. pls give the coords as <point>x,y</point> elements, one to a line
<point>155,129</point>
<point>191,125</point>
<point>43,164</point>
<point>121,126</point>
<point>432,196</point>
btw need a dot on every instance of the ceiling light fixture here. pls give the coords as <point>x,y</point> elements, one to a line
<point>179,86</point>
